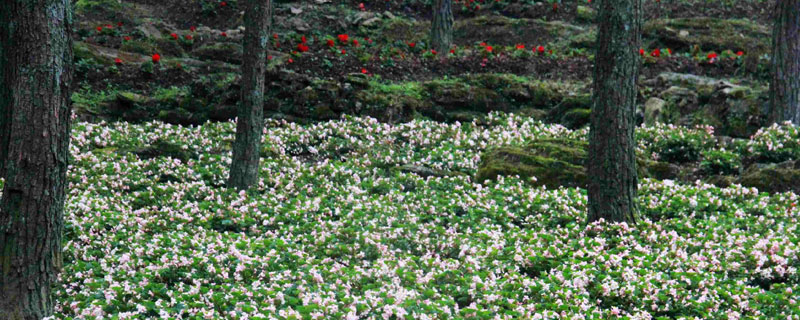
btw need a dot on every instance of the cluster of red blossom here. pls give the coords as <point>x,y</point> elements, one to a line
<point>712,56</point>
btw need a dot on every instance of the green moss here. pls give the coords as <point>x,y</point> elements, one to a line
<point>84,51</point>
<point>145,47</point>
<point>88,6</point>
<point>220,51</point>
<point>772,179</point>
<point>553,162</point>
<point>576,118</point>
<point>708,33</point>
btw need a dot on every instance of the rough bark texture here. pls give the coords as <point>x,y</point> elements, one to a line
<point>612,161</point>
<point>250,123</point>
<point>35,76</point>
<point>442,26</point>
<point>785,85</point>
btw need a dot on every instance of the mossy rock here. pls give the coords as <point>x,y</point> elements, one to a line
<point>576,118</point>
<point>553,162</point>
<point>401,29</point>
<point>708,34</point>
<point>104,7</point>
<point>161,148</point>
<point>572,111</point>
<point>782,177</point>
<point>221,51</point>
<point>88,52</point>
<point>498,28</point>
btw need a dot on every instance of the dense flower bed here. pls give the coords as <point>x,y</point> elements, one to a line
<point>334,232</point>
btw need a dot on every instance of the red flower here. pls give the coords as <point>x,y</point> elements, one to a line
<point>656,53</point>
<point>223,34</point>
<point>483,44</point>
<point>343,38</point>
<point>540,49</point>
<point>119,24</point>
<point>412,44</point>
<point>489,48</point>
<point>555,6</point>
<point>303,39</point>
<point>291,60</point>
<point>344,51</point>
<point>223,3</point>
<point>739,53</point>
<point>99,28</point>
<point>118,61</point>
<point>363,70</point>
<point>434,52</point>
<point>452,51</point>
<point>669,51</point>
<point>330,43</point>
<point>174,36</point>
<point>520,46</point>
<point>269,57</point>
<point>156,58</point>
<point>641,52</point>
<point>193,28</point>
<point>109,26</point>
<point>712,57</point>
<point>188,37</point>
<point>355,42</point>
<point>127,38</point>
<point>302,47</point>
<point>361,6</point>
<point>477,7</point>
<point>275,36</point>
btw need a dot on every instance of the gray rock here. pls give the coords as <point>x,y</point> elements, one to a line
<point>654,111</point>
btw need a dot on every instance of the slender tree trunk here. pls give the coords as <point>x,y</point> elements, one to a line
<point>250,123</point>
<point>35,77</point>
<point>785,85</point>
<point>612,161</point>
<point>442,25</point>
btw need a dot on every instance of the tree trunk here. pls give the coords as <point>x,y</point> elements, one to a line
<point>442,25</point>
<point>785,85</point>
<point>35,78</point>
<point>250,123</point>
<point>612,161</point>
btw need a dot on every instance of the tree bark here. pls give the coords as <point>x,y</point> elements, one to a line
<point>35,78</point>
<point>785,84</point>
<point>250,123</point>
<point>442,25</point>
<point>612,162</point>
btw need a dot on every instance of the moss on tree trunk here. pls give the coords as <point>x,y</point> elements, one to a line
<point>250,122</point>
<point>35,78</point>
<point>612,161</point>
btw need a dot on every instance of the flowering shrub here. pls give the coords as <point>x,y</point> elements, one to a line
<point>775,143</point>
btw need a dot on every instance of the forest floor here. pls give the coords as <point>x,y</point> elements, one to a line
<point>401,183</point>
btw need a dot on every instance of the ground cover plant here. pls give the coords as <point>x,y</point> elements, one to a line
<point>398,181</point>
<point>336,229</point>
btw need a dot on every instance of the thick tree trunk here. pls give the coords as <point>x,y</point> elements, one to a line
<point>442,25</point>
<point>785,85</point>
<point>612,162</point>
<point>250,123</point>
<point>35,76</point>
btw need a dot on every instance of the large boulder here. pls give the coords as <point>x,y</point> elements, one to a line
<point>553,163</point>
<point>557,163</point>
<point>732,109</point>
<point>781,177</point>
